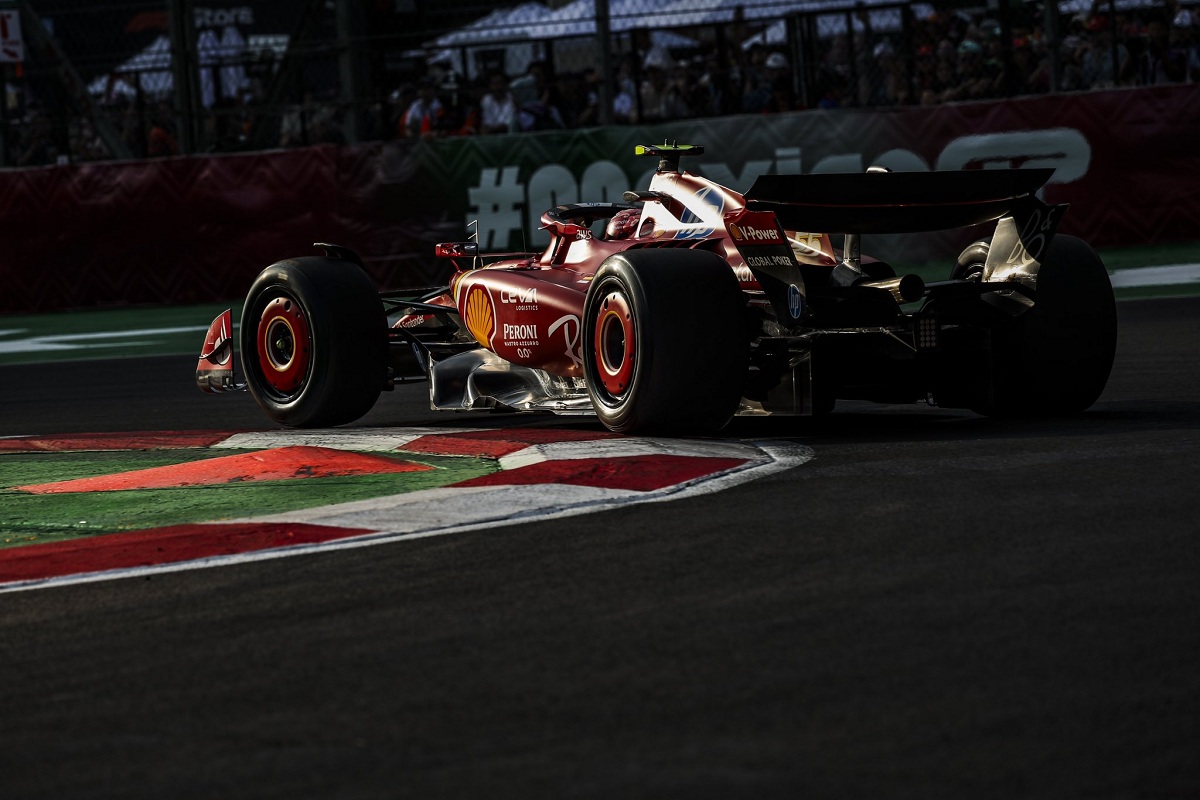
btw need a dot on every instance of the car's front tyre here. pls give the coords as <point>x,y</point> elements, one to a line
<point>314,342</point>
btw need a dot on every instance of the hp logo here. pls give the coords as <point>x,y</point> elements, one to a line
<point>795,301</point>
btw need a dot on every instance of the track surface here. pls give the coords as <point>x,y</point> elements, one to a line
<point>938,605</point>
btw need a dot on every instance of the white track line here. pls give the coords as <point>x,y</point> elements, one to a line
<point>1155,276</point>
<point>627,448</point>
<point>367,440</point>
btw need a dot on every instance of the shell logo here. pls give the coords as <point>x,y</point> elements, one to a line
<point>480,315</point>
<point>745,233</point>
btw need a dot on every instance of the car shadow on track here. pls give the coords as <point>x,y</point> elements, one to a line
<point>868,422</point>
<point>863,422</point>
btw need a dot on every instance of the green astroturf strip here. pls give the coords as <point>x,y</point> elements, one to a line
<point>23,469</point>
<point>32,519</point>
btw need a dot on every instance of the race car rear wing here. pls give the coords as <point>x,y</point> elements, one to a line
<point>879,201</point>
<point>893,202</point>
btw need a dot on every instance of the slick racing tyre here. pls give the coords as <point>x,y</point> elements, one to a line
<point>314,342</point>
<point>1055,358</point>
<point>664,347</point>
<point>971,261</point>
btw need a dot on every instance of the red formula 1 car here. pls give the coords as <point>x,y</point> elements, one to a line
<point>690,303</point>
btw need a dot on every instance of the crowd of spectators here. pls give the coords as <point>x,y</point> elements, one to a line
<point>145,132</point>
<point>946,56</point>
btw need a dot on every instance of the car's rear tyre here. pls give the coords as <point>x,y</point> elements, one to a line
<point>664,345</point>
<point>1055,358</point>
<point>314,342</point>
<point>971,261</point>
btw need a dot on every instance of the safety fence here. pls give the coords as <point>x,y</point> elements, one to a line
<point>89,81</point>
<point>198,228</point>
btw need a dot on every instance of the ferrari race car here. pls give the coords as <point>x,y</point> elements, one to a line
<point>689,303</point>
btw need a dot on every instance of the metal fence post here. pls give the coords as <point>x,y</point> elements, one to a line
<point>182,23</point>
<point>604,31</point>
<point>349,31</point>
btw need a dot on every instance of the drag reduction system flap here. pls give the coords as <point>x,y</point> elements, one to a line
<point>894,202</point>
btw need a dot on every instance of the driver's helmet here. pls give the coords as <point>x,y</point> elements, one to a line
<point>623,224</point>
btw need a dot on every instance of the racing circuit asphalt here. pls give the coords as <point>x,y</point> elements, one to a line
<point>937,605</point>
